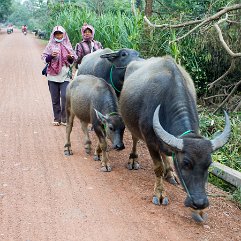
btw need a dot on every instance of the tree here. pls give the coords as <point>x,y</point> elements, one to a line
<point>5,9</point>
<point>229,18</point>
<point>148,8</point>
<point>31,12</point>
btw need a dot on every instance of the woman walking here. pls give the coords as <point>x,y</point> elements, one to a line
<point>59,54</point>
<point>88,44</point>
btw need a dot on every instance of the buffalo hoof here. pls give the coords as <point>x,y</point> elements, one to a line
<point>133,166</point>
<point>156,201</point>
<point>129,166</point>
<point>68,152</point>
<point>96,157</point>
<point>136,166</point>
<point>199,216</point>
<point>165,201</point>
<point>106,169</point>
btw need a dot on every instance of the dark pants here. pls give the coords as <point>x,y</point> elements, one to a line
<point>58,93</point>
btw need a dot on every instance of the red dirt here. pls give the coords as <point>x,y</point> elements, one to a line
<point>47,196</point>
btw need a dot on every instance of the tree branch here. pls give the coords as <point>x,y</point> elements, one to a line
<point>216,16</point>
<point>211,97</point>
<point>228,97</point>
<point>171,26</point>
<point>230,52</point>
<point>210,86</point>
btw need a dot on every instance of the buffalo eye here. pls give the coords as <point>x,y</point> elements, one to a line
<point>186,164</point>
<point>111,128</point>
<point>123,54</point>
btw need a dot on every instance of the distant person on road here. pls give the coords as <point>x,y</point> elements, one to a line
<point>88,44</point>
<point>24,28</point>
<point>60,55</point>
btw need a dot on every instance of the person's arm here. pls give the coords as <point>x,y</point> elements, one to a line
<point>80,53</point>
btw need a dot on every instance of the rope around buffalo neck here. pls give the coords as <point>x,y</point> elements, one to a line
<point>178,169</point>
<point>111,79</point>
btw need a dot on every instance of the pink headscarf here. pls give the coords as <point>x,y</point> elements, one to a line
<point>84,27</point>
<point>64,48</point>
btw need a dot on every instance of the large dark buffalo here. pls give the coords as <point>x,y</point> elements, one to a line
<point>158,105</point>
<point>94,101</point>
<point>108,65</point>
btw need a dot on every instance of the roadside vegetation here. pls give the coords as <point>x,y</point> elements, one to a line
<point>118,25</point>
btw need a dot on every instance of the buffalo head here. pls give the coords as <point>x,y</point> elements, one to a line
<point>192,157</point>
<point>118,62</point>
<point>121,58</point>
<point>114,128</point>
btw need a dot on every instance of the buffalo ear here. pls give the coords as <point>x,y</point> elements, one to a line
<point>100,117</point>
<point>110,56</point>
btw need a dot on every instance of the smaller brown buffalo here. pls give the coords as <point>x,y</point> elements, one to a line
<point>94,101</point>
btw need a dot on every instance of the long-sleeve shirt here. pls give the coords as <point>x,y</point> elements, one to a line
<point>85,47</point>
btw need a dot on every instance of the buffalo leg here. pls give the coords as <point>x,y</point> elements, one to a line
<point>87,142</point>
<point>98,153</point>
<point>169,173</point>
<point>102,145</point>
<point>70,119</point>
<point>159,196</point>
<point>133,162</point>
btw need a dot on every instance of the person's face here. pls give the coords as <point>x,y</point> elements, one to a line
<point>87,33</point>
<point>58,35</point>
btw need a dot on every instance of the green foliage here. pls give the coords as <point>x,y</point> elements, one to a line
<point>176,10</point>
<point>218,182</point>
<point>113,31</point>
<point>33,13</point>
<point>200,52</point>
<point>236,197</point>
<point>211,125</point>
<point>106,6</point>
<point>5,9</point>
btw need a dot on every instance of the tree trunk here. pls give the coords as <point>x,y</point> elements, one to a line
<point>148,8</point>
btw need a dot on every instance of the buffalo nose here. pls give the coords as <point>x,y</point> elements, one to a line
<point>119,147</point>
<point>201,203</point>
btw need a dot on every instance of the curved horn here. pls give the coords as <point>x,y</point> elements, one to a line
<point>220,140</point>
<point>167,138</point>
<point>110,55</point>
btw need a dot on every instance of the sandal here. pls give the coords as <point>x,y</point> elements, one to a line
<point>56,123</point>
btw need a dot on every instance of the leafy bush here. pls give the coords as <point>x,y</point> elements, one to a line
<point>113,31</point>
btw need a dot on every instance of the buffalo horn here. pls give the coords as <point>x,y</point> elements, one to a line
<point>110,55</point>
<point>220,140</point>
<point>167,138</point>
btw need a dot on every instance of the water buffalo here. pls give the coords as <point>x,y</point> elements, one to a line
<point>158,105</point>
<point>109,65</point>
<point>94,101</point>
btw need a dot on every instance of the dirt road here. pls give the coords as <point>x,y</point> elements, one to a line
<point>47,196</point>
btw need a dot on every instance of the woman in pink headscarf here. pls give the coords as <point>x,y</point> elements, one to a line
<point>88,44</point>
<point>59,54</point>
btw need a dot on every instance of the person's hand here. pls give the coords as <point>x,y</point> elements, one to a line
<point>70,56</point>
<point>54,54</point>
